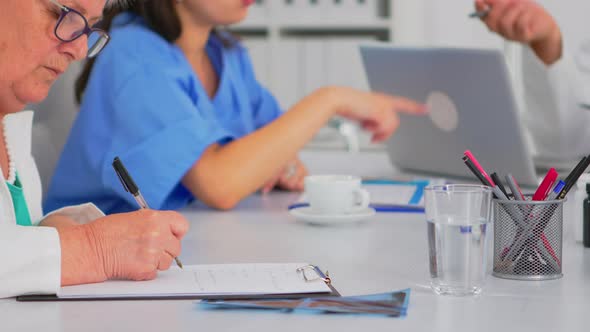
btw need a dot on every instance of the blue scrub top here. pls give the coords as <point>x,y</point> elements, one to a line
<point>145,104</point>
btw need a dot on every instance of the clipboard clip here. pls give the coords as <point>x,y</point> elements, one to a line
<point>325,277</point>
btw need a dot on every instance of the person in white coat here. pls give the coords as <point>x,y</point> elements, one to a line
<point>555,75</point>
<point>74,245</point>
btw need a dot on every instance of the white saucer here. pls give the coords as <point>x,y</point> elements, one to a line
<point>307,215</point>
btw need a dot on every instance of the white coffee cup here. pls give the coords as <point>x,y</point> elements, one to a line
<point>335,194</point>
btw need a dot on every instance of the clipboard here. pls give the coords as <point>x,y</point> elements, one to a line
<point>307,272</point>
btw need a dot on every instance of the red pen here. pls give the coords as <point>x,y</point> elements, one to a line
<point>540,195</point>
<point>546,185</point>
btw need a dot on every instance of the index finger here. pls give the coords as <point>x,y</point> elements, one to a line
<point>405,105</point>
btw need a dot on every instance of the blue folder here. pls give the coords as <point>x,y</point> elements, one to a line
<point>411,207</point>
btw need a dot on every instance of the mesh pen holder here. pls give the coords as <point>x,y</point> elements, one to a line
<point>528,239</point>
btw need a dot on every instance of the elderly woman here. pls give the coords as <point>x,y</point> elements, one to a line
<point>75,245</point>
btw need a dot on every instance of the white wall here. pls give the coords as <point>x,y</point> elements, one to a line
<point>572,15</point>
<point>440,23</point>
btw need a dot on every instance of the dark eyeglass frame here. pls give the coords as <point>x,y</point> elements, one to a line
<point>65,11</point>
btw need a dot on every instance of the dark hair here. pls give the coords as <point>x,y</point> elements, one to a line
<point>160,16</point>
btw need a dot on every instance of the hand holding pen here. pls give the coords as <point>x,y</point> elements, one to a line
<point>525,22</point>
<point>131,187</point>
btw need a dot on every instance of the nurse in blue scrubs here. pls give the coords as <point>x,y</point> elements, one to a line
<point>179,103</point>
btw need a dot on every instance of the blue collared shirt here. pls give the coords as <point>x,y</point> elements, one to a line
<point>145,104</point>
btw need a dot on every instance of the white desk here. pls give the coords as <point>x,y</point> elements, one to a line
<point>388,253</point>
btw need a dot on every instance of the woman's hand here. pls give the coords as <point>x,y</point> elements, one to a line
<point>226,174</point>
<point>526,22</point>
<point>130,246</point>
<point>289,178</point>
<point>376,112</point>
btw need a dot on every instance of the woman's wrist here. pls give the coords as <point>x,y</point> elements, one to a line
<point>336,98</point>
<point>328,98</point>
<point>81,256</point>
<point>550,49</point>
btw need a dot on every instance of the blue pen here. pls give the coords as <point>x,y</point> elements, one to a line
<point>556,190</point>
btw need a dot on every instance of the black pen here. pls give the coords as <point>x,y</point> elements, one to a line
<point>574,176</point>
<point>475,172</point>
<point>130,187</point>
<point>573,171</point>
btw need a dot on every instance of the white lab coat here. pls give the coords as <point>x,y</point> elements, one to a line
<point>559,127</point>
<point>30,257</point>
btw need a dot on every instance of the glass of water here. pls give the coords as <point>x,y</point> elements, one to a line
<point>458,218</point>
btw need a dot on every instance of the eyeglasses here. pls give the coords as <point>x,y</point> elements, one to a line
<point>72,25</point>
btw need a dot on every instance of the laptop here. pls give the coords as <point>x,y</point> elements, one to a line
<point>472,107</point>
